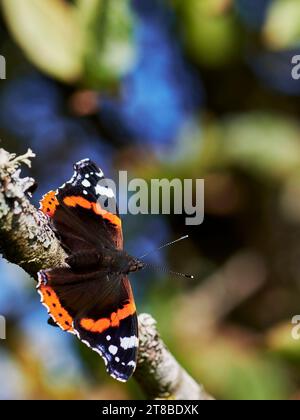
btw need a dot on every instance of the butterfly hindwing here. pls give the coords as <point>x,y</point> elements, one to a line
<point>49,298</point>
<point>117,346</point>
<point>105,322</point>
<point>113,334</point>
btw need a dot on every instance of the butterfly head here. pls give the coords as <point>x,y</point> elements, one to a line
<point>136,265</point>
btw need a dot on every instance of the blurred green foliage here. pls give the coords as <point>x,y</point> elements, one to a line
<point>86,42</point>
<point>282,26</point>
<point>212,35</point>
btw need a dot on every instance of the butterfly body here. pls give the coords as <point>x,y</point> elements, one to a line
<point>118,262</point>
<point>91,296</point>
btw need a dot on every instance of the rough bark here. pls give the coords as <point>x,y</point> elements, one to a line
<point>27,240</point>
<point>158,372</point>
<point>25,237</point>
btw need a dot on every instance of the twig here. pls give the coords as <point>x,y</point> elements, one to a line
<point>158,372</point>
<point>25,237</point>
<point>27,240</point>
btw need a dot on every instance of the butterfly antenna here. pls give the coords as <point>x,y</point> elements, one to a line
<point>165,246</point>
<point>166,270</point>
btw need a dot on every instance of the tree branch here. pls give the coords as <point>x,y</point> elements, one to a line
<point>27,240</point>
<point>158,372</point>
<point>25,236</point>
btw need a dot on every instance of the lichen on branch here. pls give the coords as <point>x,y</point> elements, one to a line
<point>25,236</point>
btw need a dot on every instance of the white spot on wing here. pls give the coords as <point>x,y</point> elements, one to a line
<point>108,192</point>
<point>83,161</point>
<point>131,363</point>
<point>86,183</point>
<point>129,342</point>
<point>113,349</point>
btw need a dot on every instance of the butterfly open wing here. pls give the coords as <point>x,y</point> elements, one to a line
<point>105,321</point>
<point>97,306</point>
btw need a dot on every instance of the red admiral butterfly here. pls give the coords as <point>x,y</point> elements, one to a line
<point>91,295</point>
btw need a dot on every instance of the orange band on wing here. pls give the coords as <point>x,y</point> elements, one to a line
<point>49,203</point>
<point>74,201</point>
<point>58,313</point>
<point>104,323</point>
